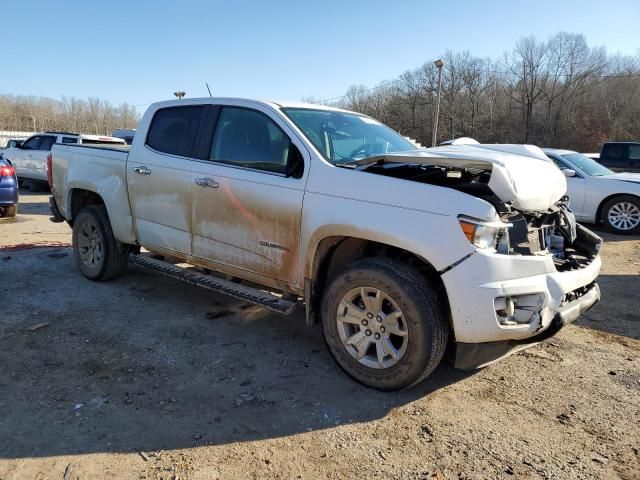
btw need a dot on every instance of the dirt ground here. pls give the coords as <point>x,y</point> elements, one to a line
<point>145,377</point>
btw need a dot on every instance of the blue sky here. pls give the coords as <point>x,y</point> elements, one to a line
<point>142,51</point>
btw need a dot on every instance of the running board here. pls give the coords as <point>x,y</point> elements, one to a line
<point>235,290</point>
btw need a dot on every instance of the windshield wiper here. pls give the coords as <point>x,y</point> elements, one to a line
<point>362,163</point>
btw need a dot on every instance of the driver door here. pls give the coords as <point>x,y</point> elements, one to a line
<point>245,210</point>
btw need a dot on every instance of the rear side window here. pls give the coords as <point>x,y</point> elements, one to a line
<point>248,138</point>
<point>634,152</point>
<point>173,130</point>
<point>69,140</point>
<point>613,151</point>
<point>46,142</point>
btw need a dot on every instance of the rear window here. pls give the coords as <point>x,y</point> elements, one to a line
<point>69,140</point>
<point>613,151</point>
<point>87,141</point>
<point>173,130</point>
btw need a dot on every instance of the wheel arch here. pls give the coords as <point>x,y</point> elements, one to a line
<point>78,198</point>
<point>598,219</point>
<point>80,195</point>
<point>336,251</point>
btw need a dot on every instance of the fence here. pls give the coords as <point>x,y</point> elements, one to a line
<point>6,135</point>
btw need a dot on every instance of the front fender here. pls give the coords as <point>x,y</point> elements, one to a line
<point>436,238</point>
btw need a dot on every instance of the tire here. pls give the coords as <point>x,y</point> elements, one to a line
<point>621,215</point>
<point>9,212</point>
<point>421,324</point>
<point>98,254</point>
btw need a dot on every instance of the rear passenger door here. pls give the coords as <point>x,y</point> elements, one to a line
<point>159,179</point>
<point>38,160</point>
<point>245,208</point>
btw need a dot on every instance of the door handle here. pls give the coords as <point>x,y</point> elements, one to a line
<point>207,182</point>
<point>142,170</point>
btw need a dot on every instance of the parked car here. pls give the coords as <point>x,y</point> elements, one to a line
<point>30,158</point>
<point>398,252</point>
<point>599,195</point>
<point>8,189</point>
<point>126,134</point>
<point>621,156</point>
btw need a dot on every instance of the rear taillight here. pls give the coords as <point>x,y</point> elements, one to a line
<point>50,170</point>
<point>7,171</point>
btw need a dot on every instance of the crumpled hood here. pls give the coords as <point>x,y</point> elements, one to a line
<point>520,174</point>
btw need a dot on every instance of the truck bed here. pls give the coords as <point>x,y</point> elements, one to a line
<point>96,168</point>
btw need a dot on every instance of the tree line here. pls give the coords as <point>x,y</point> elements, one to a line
<point>35,114</point>
<point>558,93</point>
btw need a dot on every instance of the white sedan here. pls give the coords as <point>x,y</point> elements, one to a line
<point>597,194</point>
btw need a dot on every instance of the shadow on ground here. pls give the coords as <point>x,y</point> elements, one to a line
<point>147,363</point>
<point>620,316</point>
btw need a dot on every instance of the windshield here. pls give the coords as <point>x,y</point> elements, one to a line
<point>588,165</point>
<point>345,137</point>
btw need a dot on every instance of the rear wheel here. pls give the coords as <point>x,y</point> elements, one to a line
<point>622,215</point>
<point>98,254</point>
<point>11,211</point>
<point>383,324</point>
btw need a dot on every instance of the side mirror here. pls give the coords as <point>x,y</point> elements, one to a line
<point>569,173</point>
<point>295,162</point>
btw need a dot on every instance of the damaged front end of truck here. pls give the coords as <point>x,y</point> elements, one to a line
<point>534,269</point>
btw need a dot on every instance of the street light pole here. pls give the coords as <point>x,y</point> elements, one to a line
<point>179,94</point>
<point>439,64</point>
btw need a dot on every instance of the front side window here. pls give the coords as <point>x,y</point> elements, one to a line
<point>634,152</point>
<point>344,137</point>
<point>248,138</point>
<point>46,142</point>
<point>32,144</point>
<point>173,130</point>
<point>587,165</point>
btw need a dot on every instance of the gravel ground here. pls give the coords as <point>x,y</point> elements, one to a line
<point>145,377</point>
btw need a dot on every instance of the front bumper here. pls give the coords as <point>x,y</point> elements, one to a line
<point>470,356</point>
<point>475,283</point>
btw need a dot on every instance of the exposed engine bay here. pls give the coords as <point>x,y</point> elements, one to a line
<point>553,231</point>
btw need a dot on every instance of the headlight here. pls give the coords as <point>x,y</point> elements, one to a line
<point>480,233</point>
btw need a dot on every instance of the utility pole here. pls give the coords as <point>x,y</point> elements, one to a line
<point>439,64</point>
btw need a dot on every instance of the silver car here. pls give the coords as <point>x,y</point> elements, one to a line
<point>599,195</point>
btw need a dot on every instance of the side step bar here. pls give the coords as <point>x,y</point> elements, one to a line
<point>236,290</point>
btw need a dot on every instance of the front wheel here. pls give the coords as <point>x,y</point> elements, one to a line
<point>98,254</point>
<point>383,324</point>
<point>622,215</point>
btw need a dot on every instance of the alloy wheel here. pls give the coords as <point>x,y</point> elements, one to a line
<point>624,216</point>
<point>372,327</point>
<point>90,245</point>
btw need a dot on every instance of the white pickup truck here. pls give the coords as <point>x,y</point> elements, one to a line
<point>30,157</point>
<point>400,253</point>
